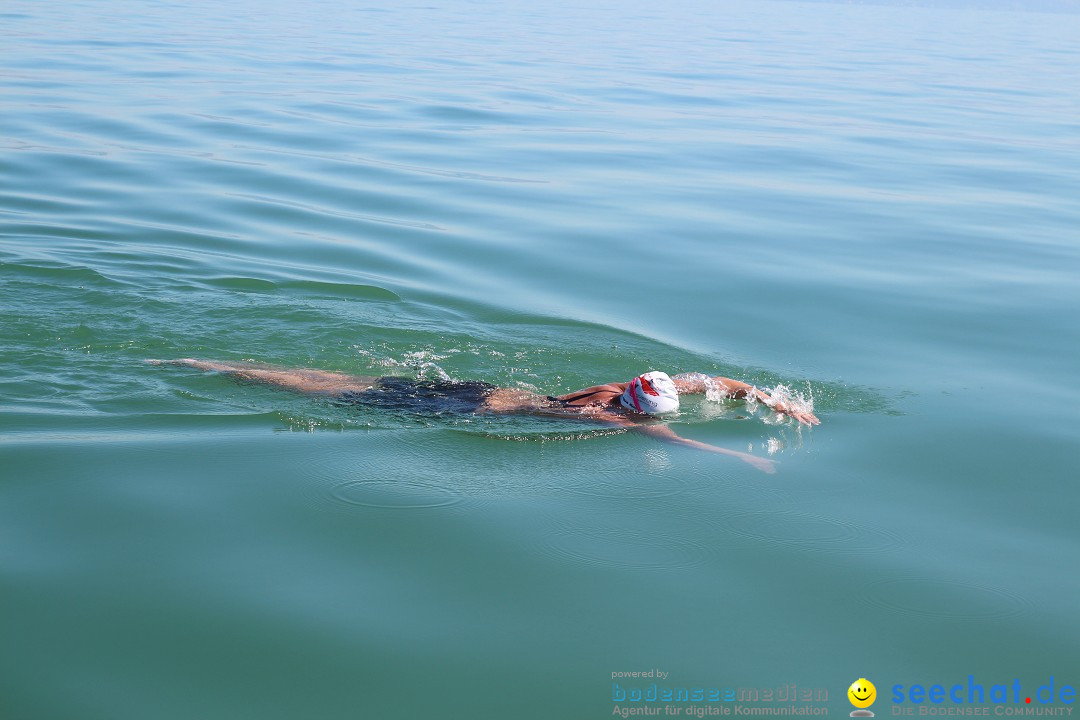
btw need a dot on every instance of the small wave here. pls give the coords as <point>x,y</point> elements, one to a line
<point>334,213</point>
<point>312,288</point>
<point>342,290</point>
<point>242,284</point>
<point>367,161</point>
<point>62,274</point>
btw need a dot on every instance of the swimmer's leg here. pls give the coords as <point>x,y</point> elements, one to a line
<point>305,380</point>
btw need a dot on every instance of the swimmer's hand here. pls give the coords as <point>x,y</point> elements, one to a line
<point>804,416</point>
<point>763,464</point>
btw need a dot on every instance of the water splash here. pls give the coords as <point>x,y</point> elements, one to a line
<point>793,398</point>
<point>790,397</point>
<point>714,391</point>
<point>786,434</point>
<point>424,363</point>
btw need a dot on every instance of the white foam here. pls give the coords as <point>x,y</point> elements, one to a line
<point>423,362</point>
<point>794,399</point>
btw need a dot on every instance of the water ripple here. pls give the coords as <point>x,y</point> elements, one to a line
<point>334,213</point>
<point>395,494</point>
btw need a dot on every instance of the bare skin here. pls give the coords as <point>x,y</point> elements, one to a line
<point>599,403</point>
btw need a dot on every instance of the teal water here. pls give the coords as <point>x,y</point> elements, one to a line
<point>876,206</point>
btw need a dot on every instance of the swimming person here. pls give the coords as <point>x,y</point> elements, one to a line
<point>624,404</point>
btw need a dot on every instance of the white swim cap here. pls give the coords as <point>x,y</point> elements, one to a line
<point>652,393</point>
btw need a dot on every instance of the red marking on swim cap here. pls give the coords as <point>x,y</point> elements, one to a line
<point>634,384</point>
<point>647,386</point>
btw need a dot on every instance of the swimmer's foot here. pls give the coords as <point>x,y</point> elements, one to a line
<point>192,362</point>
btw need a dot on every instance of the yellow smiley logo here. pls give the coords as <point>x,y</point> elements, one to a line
<point>862,693</point>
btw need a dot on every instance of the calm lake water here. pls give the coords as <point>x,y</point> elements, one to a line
<point>874,206</point>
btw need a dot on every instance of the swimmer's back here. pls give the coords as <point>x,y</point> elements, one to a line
<point>422,396</point>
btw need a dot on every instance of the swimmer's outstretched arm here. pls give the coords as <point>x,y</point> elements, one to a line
<point>315,382</point>
<point>665,433</point>
<point>694,383</point>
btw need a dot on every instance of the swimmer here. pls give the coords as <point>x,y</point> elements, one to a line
<point>622,404</point>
